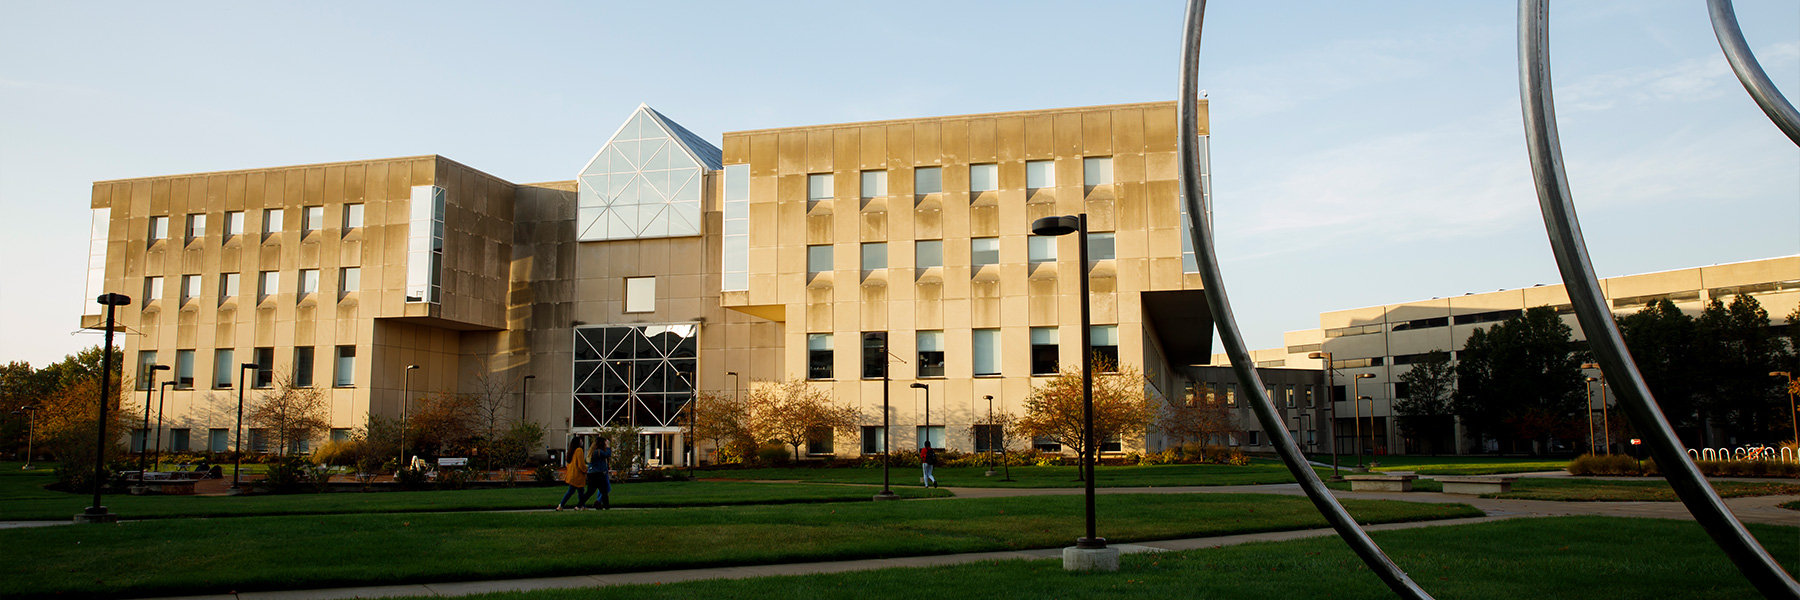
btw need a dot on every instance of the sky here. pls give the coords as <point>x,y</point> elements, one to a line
<point>1363,153</point>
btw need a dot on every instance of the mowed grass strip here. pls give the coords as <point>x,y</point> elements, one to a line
<point>1459,465</point>
<point>1563,557</point>
<point>1256,473</point>
<point>197,556</point>
<point>1607,490</point>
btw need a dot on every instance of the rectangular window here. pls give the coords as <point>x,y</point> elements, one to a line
<point>931,353</point>
<point>933,434</point>
<point>224,368</point>
<point>928,180</point>
<point>928,254</point>
<point>874,354</point>
<point>353,216</point>
<point>303,366</point>
<point>984,251</point>
<point>734,251</point>
<point>349,279</point>
<point>987,438</point>
<point>309,281</point>
<point>1100,246</point>
<point>345,375</point>
<point>1231,394</point>
<point>640,294</point>
<point>1043,351</point>
<point>190,288</point>
<point>153,289</point>
<point>818,440</point>
<point>146,360</point>
<point>1044,444</point>
<point>1040,174</point>
<point>1255,438</point>
<point>184,369</point>
<point>218,440</point>
<point>259,439</point>
<point>425,245</point>
<point>234,223</point>
<point>180,440</point>
<point>1041,248</point>
<point>986,350</point>
<point>984,178</point>
<point>312,218</point>
<point>228,287</point>
<point>271,224</point>
<point>1288,392</point>
<point>159,228</point>
<point>818,356</point>
<point>874,256</point>
<point>874,439</point>
<point>265,368</point>
<point>818,187</point>
<point>1105,340</point>
<point>196,227</point>
<point>1096,170</point>
<point>1112,444</point>
<point>874,184</point>
<point>340,434</point>
<point>268,283</point>
<point>818,259</point>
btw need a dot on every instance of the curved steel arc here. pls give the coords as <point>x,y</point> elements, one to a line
<point>1737,52</point>
<point>1597,321</point>
<point>1200,230</point>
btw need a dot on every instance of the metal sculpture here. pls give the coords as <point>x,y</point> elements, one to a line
<point>1200,231</point>
<point>1597,321</point>
<point>1749,72</point>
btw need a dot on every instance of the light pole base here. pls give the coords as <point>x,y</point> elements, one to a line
<point>234,491</point>
<point>103,516</point>
<point>989,473</point>
<point>886,495</point>
<point>27,467</point>
<point>1076,558</point>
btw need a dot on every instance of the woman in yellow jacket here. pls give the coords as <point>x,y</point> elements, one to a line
<point>575,474</point>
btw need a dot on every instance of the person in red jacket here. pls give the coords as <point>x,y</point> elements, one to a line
<point>927,458</point>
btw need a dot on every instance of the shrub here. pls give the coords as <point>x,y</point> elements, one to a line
<point>339,453</point>
<point>412,479</point>
<point>453,479</point>
<point>772,454</point>
<point>544,474</point>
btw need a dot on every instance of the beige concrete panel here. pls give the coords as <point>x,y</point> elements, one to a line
<point>1096,133</point>
<point>874,149</point>
<point>1040,138</point>
<point>763,154</point>
<point>983,145</point>
<point>928,309</point>
<point>1653,283</point>
<point>1102,215</point>
<point>1010,134</point>
<point>818,151</point>
<point>1355,316</point>
<point>955,313</point>
<point>1104,303</point>
<point>984,221</point>
<point>928,148</point>
<point>1475,303</point>
<point>1128,131</point>
<point>1549,295</point>
<point>1159,128</point>
<point>899,157</point>
<point>735,149</point>
<point>955,145</point>
<point>1068,129</point>
<point>1424,309</point>
<point>846,148</point>
<point>1130,209</point>
<point>872,227</point>
<point>873,308</point>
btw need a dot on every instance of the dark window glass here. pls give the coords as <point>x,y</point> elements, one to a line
<point>265,367</point>
<point>872,441</point>
<point>1043,359</point>
<point>1112,445</point>
<point>987,438</point>
<point>818,440</point>
<point>874,354</point>
<point>303,366</point>
<point>1044,444</point>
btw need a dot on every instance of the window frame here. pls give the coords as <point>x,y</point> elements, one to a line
<point>634,303</point>
<point>819,360</point>
<point>988,171</point>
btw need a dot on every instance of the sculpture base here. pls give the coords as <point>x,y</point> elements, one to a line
<point>101,516</point>
<point>1076,558</point>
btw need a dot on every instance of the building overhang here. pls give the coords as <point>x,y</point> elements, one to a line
<point>1182,322</point>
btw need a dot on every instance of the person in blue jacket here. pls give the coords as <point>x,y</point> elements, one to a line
<point>599,474</point>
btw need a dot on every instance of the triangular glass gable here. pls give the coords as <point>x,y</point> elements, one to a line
<point>650,163</point>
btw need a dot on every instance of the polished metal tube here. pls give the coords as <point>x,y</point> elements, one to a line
<point>1750,72</point>
<point>1597,322</point>
<point>1200,232</point>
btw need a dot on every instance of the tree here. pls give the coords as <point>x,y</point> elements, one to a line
<point>291,415</point>
<point>1520,380</point>
<point>1054,410</point>
<point>1741,349</point>
<point>791,412</point>
<point>491,408</point>
<point>441,424</point>
<point>1665,344</point>
<point>67,425</point>
<point>1423,412</point>
<point>1203,418</point>
<point>725,420</point>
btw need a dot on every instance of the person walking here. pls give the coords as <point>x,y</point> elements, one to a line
<point>599,475</point>
<point>575,474</point>
<point>927,458</point>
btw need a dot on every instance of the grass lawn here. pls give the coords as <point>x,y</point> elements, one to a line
<point>1258,472</point>
<point>1795,505</point>
<point>1599,490</point>
<point>199,556</point>
<point>1562,557</point>
<point>1458,465</point>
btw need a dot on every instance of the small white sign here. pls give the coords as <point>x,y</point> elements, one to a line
<point>453,462</point>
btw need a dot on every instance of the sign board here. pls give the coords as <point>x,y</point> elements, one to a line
<point>1636,441</point>
<point>453,462</point>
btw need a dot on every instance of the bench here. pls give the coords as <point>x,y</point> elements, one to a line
<point>1381,482</point>
<point>1477,484</point>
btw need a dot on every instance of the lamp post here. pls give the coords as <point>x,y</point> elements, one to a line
<point>734,401</point>
<point>161,394</point>
<point>990,441</point>
<point>30,431</point>
<point>1330,407</point>
<point>237,460</point>
<point>887,436</point>
<point>525,395</point>
<point>1793,388</point>
<point>144,448</point>
<point>1588,387</point>
<point>1056,226</point>
<point>97,513</point>
<point>1356,413</point>
<point>693,449</point>
<point>918,385</point>
<point>1605,419</point>
<point>405,406</point>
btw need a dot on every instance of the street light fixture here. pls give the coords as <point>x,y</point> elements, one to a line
<point>1356,414</point>
<point>1330,407</point>
<point>1056,226</point>
<point>237,461</point>
<point>887,435</point>
<point>405,406</point>
<point>1793,388</point>
<point>30,430</point>
<point>161,395</point>
<point>917,385</point>
<point>98,513</point>
<point>990,441</point>
<point>144,447</point>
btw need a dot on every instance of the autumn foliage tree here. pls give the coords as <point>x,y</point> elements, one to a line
<point>725,420</point>
<point>1202,418</point>
<point>789,412</point>
<point>1054,410</point>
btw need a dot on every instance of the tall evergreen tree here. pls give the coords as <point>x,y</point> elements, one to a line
<point>1424,411</point>
<point>1665,344</point>
<point>1520,380</point>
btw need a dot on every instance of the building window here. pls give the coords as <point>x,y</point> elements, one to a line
<point>268,283</point>
<point>933,435</point>
<point>984,251</point>
<point>425,245</point>
<point>874,354</point>
<point>818,440</point>
<point>265,368</point>
<point>874,256</point>
<point>1105,341</point>
<point>818,259</point>
<point>228,287</point>
<point>309,281</point>
<point>987,438</point>
<point>1040,174</point>
<point>986,350</point>
<point>218,440</point>
<point>818,356</point>
<point>928,254</point>
<point>874,184</point>
<point>353,216</point>
<point>303,366</point>
<point>1112,444</point>
<point>984,178</point>
<point>234,223</point>
<point>1096,170</point>
<point>1041,248</point>
<point>1255,438</point>
<point>1231,394</point>
<point>184,369</point>
<point>159,228</point>
<point>146,360</point>
<point>640,294</point>
<point>153,289</point>
<point>345,375</point>
<point>271,224</point>
<point>1100,246</point>
<point>1308,394</point>
<point>340,434</point>
<point>928,180</point>
<point>259,439</point>
<point>224,368</point>
<point>1288,392</point>
<point>818,188</point>
<point>312,218</point>
<point>931,353</point>
<point>349,279</point>
<point>874,439</point>
<point>1044,444</point>
<point>734,251</point>
<point>190,288</point>
<point>180,440</point>
<point>1043,351</point>
<point>196,227</point>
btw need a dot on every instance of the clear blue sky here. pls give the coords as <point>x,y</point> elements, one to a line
<point>1364,153</point>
